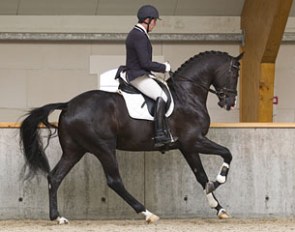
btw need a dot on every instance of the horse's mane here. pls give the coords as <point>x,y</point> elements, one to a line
<point>199,57</point>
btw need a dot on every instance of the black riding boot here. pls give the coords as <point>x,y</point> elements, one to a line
<point>162,133</point>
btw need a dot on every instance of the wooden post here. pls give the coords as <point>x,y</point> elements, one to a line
<point>266,92</point>
<point>263,23</point>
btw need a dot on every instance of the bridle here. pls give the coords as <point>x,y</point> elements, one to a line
<point>226,92</point>
<point>221,93</point>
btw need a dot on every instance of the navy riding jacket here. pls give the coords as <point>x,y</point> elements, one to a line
<point>139,55</point>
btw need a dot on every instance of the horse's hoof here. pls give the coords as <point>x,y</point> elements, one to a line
<point>222,214</point>
<point>152,219</point>
<point>210,187</point>
<point>62,221</point>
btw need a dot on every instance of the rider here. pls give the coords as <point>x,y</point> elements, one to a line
<point>139,65</point>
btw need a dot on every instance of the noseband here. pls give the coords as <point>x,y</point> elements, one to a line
<point>224,92</point>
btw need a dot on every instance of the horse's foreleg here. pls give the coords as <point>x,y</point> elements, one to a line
<point>55,178</point>
<point>220,179</point>
<point>114,181</point>
<point>195,164</point>
<point>214,204</point>
<point>206,146</point>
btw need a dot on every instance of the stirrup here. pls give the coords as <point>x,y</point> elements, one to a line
<point>172,139</point>
<point>161,142</point>
<point>163,139</point>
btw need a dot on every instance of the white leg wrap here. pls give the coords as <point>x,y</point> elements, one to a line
<point>62,220</point>
<point>211,200</point>
<point>147,213</point>
<point>150,217</point>
<point>221,179</point>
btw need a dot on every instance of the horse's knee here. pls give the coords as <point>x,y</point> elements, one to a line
<point>227,157</point>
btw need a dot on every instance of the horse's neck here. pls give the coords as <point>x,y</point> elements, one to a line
<point>194,93</point>
<point>194,79</point>
<point>193,82</point>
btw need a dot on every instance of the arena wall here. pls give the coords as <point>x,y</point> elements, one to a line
<point>261,180</point>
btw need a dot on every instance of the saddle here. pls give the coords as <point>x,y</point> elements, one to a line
<point>139,105</point>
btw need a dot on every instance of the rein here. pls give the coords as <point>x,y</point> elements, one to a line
<point>221,93</point>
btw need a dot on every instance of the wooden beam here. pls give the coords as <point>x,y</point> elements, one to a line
<point>266,92</point>
<point>263,23</point>
<point>278,24</point>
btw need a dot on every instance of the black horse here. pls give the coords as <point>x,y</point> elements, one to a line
<point>98,122</point>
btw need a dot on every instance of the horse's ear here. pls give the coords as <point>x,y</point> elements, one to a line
<point>240,56</point>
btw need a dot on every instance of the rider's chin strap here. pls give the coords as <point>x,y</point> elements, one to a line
<point>148,24</point>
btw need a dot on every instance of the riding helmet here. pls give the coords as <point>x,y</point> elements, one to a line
<point>147,11</point>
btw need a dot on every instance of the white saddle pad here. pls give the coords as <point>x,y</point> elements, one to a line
<point>138,109</point>
<point>135,102</point>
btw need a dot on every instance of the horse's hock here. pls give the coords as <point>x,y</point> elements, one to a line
<point>261,179</point>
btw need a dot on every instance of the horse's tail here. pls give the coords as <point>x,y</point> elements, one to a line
<point>31,141</point>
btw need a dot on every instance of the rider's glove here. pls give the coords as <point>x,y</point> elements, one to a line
<point>168,67</point>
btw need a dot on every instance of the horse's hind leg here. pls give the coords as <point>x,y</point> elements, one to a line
<point>68,160</point>
<point>195,164</point>
<point>114,181</point>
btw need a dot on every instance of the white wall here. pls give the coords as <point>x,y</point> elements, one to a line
<point>284,84</point>
<point>117,24</point>
<point>32,75</point>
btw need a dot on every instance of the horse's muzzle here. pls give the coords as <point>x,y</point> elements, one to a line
<point>227,103</point>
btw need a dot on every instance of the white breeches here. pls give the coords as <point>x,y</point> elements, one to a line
<point>149,87</point>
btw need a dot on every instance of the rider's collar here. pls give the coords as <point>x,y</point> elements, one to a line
<point>142,28</point>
